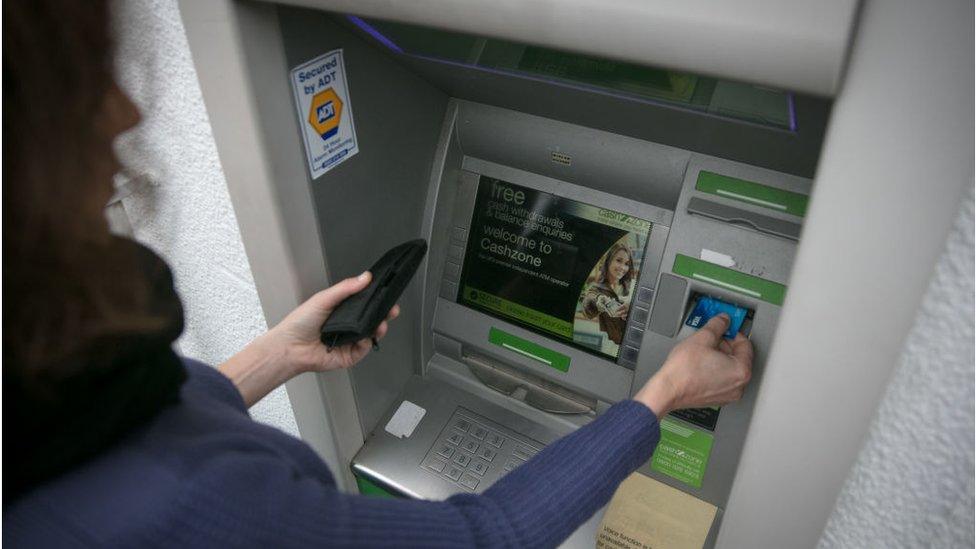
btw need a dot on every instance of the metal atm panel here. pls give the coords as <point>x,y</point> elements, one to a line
<point>447,383</point>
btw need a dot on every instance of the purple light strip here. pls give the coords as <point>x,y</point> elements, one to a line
<point>366,27</point>
<point>791,104</point>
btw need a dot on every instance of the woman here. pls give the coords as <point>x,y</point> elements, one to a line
<point>114,441</point>
<point>608,299</point>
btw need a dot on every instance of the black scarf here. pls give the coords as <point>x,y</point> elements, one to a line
<point>123,381</point>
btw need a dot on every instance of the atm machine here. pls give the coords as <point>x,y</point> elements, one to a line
<point>528,168</point>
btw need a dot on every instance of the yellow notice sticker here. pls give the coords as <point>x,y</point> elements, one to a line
<point>645,513</point>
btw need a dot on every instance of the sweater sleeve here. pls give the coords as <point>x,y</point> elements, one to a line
<point>203,380</point>
<point>256,500</point>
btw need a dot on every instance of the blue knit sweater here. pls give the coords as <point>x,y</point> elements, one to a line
<point>203,474</point>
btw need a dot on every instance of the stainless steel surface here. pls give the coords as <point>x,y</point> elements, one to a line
<point>545,395</point>
<point>409,465</point>
<point>474,451</point>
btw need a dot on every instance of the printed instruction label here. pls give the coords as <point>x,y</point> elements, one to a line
<point>645,513</point>
<point>682,453</point>
<point>324,112</point>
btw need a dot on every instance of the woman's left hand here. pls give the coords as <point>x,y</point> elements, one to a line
<point>293,346</point>
<point>298,334</point>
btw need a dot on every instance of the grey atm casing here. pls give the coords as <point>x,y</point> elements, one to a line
<point>659,183</point>
<point>301,234</point>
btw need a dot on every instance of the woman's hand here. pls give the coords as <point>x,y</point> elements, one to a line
<point>293,346</point>
<point>299,332</point>
<point>703,370</point>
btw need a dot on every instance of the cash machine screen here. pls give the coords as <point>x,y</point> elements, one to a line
<point>558,267</point>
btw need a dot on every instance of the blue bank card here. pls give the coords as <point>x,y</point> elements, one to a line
<point>707,307</point>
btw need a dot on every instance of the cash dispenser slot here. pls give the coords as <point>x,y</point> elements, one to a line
<point>730,214</point>
<point>533,390</point>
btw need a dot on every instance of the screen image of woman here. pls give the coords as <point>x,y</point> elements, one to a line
<point>604,303</point>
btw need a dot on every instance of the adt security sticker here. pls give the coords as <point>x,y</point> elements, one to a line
<point>324,112</point>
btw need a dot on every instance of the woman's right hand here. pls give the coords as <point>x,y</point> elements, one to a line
<point>703,370</point>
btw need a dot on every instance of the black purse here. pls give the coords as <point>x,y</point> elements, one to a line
<point>359,315</point>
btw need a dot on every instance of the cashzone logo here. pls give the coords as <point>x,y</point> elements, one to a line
<point>624,219</point>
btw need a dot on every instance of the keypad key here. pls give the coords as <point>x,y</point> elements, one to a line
<point>455,438</point>
<point>446,451</point>
<point>496,440</point>
<point>462,425</point>
<point>522,452</point>
<point>436,465</point>
<point>479,433</point>
<point>479,467</point>
<point>469,481</point>
<point>511,464</point>
<point>462,459</point>
<point>487,454</point>
<point>471,446</point>
<point>453,473</point>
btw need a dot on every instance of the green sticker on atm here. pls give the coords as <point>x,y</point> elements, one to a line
<point>528,349</point>
<point>753,193</point>
<point>682,453</point>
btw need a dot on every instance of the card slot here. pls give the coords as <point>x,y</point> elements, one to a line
<point>730,214</point>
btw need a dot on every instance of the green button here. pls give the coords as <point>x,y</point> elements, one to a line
<point>682,453</point>
<point>529,350</point>
<point>368,488</point>
<point>729,279</point>
<point>753,193</point>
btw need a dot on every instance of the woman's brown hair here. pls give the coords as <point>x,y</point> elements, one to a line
<point>65,279</point>
<point>88,318</point>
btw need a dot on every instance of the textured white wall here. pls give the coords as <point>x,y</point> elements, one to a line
<point>179,204</point>
<point>912,485</point>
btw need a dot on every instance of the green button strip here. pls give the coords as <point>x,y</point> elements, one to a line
<point>368,488</point>
<point>753,193</point>
<point>730,279</point>
<point>529,349</point>
<point>682,453</point>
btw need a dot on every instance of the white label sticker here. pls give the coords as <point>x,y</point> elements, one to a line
<point>405,420</point>
<point>324,112</point>
<point>717,258</point>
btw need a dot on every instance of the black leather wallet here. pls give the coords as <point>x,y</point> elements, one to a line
<point>359,315</point>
